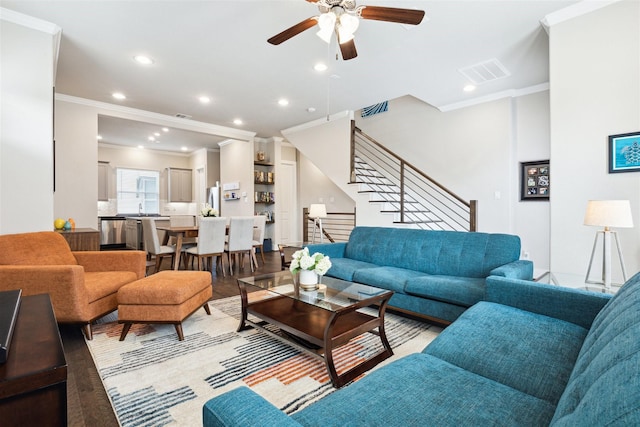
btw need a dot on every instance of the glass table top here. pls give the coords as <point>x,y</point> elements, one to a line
<point>332,294</point>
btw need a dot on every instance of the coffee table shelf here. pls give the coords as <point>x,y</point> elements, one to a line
<point>316,324</point>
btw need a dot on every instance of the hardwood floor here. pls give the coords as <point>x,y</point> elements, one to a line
<point>87,401</point>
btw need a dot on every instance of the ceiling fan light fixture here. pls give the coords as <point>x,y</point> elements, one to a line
<point>327,23</point>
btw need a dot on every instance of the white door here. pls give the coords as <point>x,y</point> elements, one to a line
<point>288,203</point>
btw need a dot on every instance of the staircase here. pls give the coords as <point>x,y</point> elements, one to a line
<point>400,189</point>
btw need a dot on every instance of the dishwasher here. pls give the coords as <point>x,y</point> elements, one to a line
<point>112,232</point>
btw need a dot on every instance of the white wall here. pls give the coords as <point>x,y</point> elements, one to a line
<point>236,166</point>
<point>26,131</point>
<point>595,92</point>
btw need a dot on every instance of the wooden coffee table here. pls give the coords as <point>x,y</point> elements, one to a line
<point>316,322</point>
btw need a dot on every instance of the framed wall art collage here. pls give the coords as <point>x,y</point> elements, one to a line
<point>534,181</point>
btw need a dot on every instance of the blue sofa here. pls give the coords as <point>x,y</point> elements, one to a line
<point>436,274</point>
<point>530,355</point>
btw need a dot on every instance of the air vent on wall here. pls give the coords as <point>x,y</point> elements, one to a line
<point>183,116</point>
<point>485,71</point>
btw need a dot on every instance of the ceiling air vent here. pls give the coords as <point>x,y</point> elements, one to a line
<point>183,116</point>
<point>485,71</point>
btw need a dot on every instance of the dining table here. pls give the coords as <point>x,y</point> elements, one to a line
<point>179,232</point>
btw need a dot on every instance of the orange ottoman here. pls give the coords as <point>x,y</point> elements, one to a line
<point>164,297</point>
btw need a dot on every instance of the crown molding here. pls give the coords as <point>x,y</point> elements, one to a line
<point>573,11</point>
<point>512,93</point>
<point>160,119</point>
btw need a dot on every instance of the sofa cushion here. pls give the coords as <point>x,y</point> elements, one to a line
<point>423,390</point>
<point>344,268</point>
<point>391,278</point>
<point>449,253</point>
<point>103,283</point>
<point>464,291</point>
<point>41,248</point>
<point>530,352</point>
<point>604,387</point>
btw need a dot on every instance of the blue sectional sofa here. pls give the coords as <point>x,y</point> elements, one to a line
<point>529,355</point>
<point>437,274</point>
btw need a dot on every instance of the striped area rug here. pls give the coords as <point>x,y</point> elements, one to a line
<point>153,379</point>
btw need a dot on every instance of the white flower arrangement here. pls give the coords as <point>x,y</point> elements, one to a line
<point>318,263</point>
<point>208,211</point>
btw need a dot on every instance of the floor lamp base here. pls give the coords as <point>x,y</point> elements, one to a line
<point>606,260</point>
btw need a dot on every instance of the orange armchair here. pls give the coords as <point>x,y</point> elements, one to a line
<point>83,286</point>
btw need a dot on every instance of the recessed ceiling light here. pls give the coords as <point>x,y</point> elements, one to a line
<point>141,147</point>
<point>165,129</point>
<point>143,59</point>
<point>156,133</point>
<point>320,67</point>
<point>184,148</point>
<point>119,96</point>
<point>469,88</point>
<point>237,122</point>
<point>151,138</point>
<point>205,99</point>
<point>99,137</point>
<point>311,110</point>
<point>283,102</point>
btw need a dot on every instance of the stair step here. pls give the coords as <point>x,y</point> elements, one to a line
<point>432,221</point>
<point>406,212</point>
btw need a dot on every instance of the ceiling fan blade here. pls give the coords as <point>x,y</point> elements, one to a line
<point>293,31</point>
<point>392,14</point>
<point>348,50</point>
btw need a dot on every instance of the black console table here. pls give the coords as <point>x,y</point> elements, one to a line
<point>33,381</point>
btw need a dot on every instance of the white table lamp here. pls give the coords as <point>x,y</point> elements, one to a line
<point>607,214</point>
<point>317,212</point>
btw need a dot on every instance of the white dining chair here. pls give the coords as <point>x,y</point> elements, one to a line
<point>259,225</point>
<point>240,240</point>
<point>184,221</point>
<point>152,243</point>
<point>211,242</point>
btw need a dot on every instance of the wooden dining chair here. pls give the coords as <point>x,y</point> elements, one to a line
<point>240,240</point>
<point>184,221</point>
<point>152,243</point>
<point>211,242</point>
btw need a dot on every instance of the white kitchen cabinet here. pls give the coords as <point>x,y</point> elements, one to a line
<point>179,185</point>
<point>103,181</point>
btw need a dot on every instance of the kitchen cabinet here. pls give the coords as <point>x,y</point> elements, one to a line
<point>179,185</point>
<point>103,181</point>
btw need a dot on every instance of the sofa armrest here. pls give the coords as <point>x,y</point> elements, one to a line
<point>93,261</point>
<point>520,269</point>
<point>571,305</point>
<point>332,250</point>
<point>63,283</point>
<point>244,408</point>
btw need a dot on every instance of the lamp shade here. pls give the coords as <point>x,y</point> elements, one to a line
<point>609,213</point>
<point>317,211</point>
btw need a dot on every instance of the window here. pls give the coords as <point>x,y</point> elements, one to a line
<point>138,191</point>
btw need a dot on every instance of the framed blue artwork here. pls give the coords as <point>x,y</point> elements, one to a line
<point>624,152</point>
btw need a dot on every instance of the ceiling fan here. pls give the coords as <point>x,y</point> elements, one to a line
<point>342,17</point>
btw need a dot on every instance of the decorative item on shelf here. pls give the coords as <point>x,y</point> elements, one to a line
<point>207,210</point>
<point>260,156</point>
<point>607,213</point>
<point>72,222</point>
<point>59,223</point>
<point>67,225</point>
<point>309,268</point>
<point>270,177</point>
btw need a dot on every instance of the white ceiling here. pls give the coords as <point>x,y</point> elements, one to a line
<point>219,49</point>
